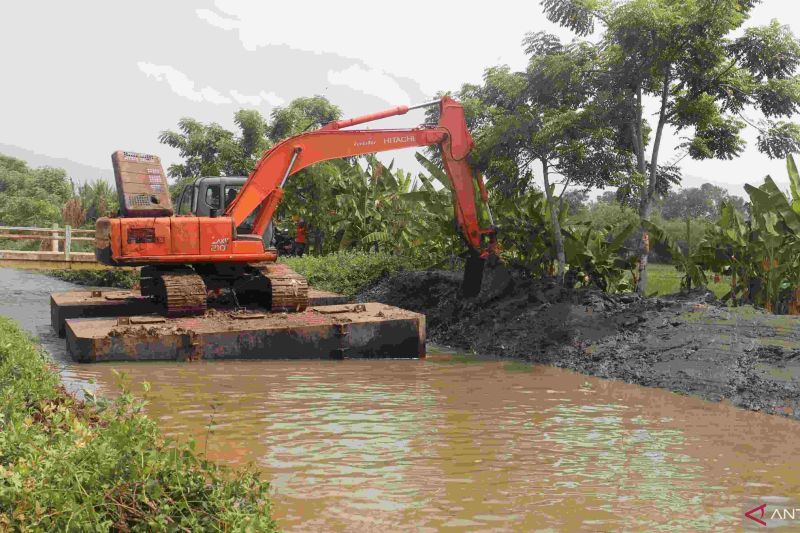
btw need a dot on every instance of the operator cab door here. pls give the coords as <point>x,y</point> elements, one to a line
<point>211,196</point>
<point>186,200</point>
<point>185,228</point>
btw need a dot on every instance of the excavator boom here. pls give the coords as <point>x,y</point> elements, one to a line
<point>264,188</point>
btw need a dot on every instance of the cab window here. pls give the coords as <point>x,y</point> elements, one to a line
<point>230,193</point>
<point>185,201</point>
<point>212,197</point>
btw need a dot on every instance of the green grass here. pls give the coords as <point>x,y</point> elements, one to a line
<point>107,277</point>
<point>68,465</point>
<point>664,279</point>
<point>348,272</point>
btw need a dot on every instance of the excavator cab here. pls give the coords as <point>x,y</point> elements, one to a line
<point>210,196</point>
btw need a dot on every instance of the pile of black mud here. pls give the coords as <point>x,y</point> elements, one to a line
<point>687,343</point>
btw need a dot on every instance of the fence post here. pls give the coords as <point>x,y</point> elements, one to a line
<point>54,240</point>
<point>67,240</point>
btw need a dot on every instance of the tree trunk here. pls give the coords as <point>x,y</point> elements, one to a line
<point>649,191</point>
<point>558,239</point>
<point>318,240</point>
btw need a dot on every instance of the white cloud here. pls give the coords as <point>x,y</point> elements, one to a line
<point>370,81</point>
<point>269,98</point>
<point>440,51</point>
<point>245,99</point>
<point>213,96</point>
<point>184,86</point>
<point>181,84</point>
<point>218,20</point>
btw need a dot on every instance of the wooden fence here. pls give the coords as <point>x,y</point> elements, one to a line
<point>58,255</point>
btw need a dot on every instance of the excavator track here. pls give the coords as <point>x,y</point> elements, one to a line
<point>181,291</point>
<point>289,290</point>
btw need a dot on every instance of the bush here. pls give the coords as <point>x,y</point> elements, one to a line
<point>68,465</point>
<point>342,272</point>
<point>347,272</point>
<point>109,277</point>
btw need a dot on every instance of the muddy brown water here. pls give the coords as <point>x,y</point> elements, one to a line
<point>452,444</point>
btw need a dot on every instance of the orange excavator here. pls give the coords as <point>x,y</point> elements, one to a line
<point>186,256</point>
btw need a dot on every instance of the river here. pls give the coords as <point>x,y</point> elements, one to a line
<point>452,444</point>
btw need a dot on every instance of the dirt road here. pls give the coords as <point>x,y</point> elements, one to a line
<point>688,344</point>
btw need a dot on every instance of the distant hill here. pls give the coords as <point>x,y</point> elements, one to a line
<point>79,172</point>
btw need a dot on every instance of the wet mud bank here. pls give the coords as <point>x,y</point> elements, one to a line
<point>689,343</point>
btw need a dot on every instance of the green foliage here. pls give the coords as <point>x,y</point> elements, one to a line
<point>687,55</point>
<point>695,202</point>
<point>107,277</point>
<point>99,199</point>
<point>302,114</point>
<point>386,209</point>
<point>66,465</point>
<point>760,254</point>
<point>600,258</point>
<point>211,150</point>
<point>524,230</point>
<point>45,196</point>
<point>347,272</point>
<point>31,197</point>
<point>602,214</point>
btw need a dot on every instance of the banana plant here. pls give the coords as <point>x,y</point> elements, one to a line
<point>725,250</point>
<point>370,213</point>
<point>598,257</point>
<point>523,224</point>
<point>762,255</point>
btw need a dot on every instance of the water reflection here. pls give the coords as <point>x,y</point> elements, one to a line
<point>366,445</point>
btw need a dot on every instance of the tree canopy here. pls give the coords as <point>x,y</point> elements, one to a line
<point>704,79</point>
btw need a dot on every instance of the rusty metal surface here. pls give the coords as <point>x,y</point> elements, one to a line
<point>81,304</point>
<point>374,331</point>
<point>115,303</point>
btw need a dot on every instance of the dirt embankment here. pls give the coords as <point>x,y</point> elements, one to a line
<point>686,343</point>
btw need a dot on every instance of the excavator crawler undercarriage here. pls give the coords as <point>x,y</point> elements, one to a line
<point>183,291</point>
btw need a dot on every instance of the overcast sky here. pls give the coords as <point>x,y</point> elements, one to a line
<point>83,79</point>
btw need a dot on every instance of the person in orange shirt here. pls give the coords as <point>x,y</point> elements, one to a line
<point>299,247</point>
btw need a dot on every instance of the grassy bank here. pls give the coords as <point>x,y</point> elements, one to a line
<point>68,465</point>
<point>349,272</point>
<point>109,277</point>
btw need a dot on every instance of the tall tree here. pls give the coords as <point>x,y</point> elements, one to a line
<point>302,114</point>
<point>547,115</point>
<point>311,193</point>
<point>211,150</point>
<point>703,79</point>
<point>695,202</point>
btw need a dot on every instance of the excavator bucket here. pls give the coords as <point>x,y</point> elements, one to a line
<point>473,275</point>
<point>488,278</point>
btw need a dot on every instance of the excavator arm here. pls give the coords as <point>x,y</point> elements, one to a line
<point>264,187</point>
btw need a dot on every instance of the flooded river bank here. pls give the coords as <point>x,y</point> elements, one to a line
<point>449,444</point>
